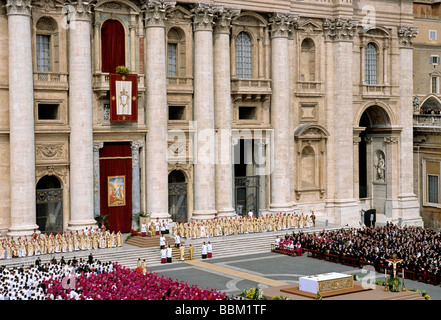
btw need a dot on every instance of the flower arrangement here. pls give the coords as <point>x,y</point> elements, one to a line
<point>252,294</point>
<point>423,293</point>
<point>281,298</point>
<point>122,70</point>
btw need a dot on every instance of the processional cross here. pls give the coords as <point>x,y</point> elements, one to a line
<point>394,261</point>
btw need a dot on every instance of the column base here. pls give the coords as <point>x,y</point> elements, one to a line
<point>226,213</point>
<point>409,210</point>
<point>344,212</point>
<point>79,225</point>
<point>282,208</point>
<point>203,214</point>
<point>160,215</point>
<point>17,231</point>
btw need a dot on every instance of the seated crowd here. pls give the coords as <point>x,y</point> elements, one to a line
<point>94,280</point>
<point>419,248</point>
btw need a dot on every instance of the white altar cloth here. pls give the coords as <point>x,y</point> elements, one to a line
<point>311,283</point>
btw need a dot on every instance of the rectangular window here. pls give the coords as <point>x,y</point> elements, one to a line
<point>435,81</point>
<point>48,112</point>
<point>176,113</point>
<point>434,60</point>
<point>43,53</point>
<point>247,113</point>
<point>172,49</point>
<point>432,188</point>
<point>432,34</point>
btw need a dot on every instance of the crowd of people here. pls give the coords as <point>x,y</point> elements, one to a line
<point>242,225</point>
<point>49,243</point>
<point>419,248</point>
<point>94,280</point>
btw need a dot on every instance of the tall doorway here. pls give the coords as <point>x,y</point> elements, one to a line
<point>49,205</point>
<point>374,159</point>
<point>246,181</point>
<point>177,196</point>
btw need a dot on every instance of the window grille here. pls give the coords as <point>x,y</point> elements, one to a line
<point>172,48</point>
<point>43,53</point>
<point>371,59</point>
<point>243,56</point>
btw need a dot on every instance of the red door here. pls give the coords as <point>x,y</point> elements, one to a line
<point>116,185</point>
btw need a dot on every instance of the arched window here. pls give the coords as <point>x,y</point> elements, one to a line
<point>243,55</point>
<point>46,39</point>
<point>307,60</point>
<point>371,64</point>
<point>176,52</point>
<point>112,46</point>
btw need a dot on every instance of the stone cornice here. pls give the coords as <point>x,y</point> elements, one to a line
<point>18,7</point>
<point>155,12</point>
<point>339,29</point>
<point>281,24</point>
<point>223,19</point>
<point>406,34</point>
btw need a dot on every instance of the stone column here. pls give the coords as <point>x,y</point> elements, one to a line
<point>342,204</point>
<point>204,169</point>
<point>156,108</point>
<point>222,110</point>
<point>136,177</point>
<point>280,175</point>
<point>80,115</point>
<point>21,119</point>
<point>407,200</point>
<point>96,178</point>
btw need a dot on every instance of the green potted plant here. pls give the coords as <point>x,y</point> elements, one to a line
<point>122,70</point>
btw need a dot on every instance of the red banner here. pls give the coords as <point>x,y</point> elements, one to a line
<point>123,97</point>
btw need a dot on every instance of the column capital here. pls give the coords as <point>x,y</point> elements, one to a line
<point>155,12</point>
<point>18,7</point>
<point>406,34</point>
<point>79,11</point>
<point>223,19</point>
<point>281,24</point>
<point>339,29</point>
<point>97,145</point>
<point>203,16</point>
<point>136,144</point>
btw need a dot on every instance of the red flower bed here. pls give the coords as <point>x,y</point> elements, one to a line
<point>126,284</point>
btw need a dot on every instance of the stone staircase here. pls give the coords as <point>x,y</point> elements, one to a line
<point>147,248</point>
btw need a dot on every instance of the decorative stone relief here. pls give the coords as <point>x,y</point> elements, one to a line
<point>203,16</point>
<point>224,18</point>
<point>406,34</point>
<point>155,12</point>
<point>281,24</point>
<point>22,7</point>
<point>339,29</point>
<point>49,151</point>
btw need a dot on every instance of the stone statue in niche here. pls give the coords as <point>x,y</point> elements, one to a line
<point>380,166</point>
